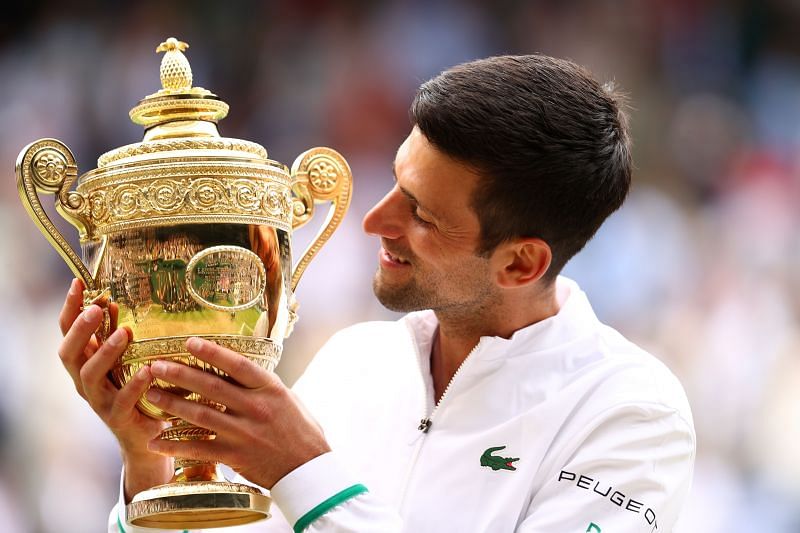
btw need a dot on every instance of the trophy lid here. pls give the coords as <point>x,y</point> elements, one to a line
<point>183,171</point>
<point>178,111</point>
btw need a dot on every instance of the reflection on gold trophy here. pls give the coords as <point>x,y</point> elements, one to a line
<point>187,233</point>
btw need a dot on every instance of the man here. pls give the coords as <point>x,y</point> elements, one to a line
<point>500,402</point>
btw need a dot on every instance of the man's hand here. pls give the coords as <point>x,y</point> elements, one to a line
<point>264,433</point>
<point>88,363</point>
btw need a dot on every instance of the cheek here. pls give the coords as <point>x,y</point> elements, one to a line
<point>437,251</point>
<point>427,245</point>
<point>447,261</point>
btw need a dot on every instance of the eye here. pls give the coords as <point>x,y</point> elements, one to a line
<point>418,219</point>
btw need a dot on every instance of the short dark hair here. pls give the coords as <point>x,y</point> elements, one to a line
<point>550,144</point>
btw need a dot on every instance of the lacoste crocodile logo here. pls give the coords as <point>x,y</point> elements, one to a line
<point>495,462</point>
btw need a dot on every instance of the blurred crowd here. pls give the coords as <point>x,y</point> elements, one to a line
<point>701,266</point>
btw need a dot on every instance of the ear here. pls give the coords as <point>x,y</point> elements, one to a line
<point>521,262</point>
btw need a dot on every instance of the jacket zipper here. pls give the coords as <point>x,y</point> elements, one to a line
<point>427,421</point>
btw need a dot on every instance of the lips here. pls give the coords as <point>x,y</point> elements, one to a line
<point>395,258</point>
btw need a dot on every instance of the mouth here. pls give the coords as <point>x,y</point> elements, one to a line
<point>394,258</point>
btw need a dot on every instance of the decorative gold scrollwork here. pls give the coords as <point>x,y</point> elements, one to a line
<point>147,200</point>
<point>323,175</point>
<point>48,166</point>
<point>49,170</point>
<point>302,204</point>
<point>319,175</point>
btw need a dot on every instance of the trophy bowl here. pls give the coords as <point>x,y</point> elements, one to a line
<point>184,234</point>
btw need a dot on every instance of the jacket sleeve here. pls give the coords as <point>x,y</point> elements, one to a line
<point>323,496</point>
<point>629,470</point>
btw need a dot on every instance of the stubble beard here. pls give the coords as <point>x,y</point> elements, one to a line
<point>403,298</point>
<point>413,296</point>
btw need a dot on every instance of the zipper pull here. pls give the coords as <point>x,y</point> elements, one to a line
<point>425,425</point>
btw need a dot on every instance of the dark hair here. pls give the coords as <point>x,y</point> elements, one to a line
<point>549,142</point>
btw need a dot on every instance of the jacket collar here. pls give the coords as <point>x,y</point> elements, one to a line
<point>575,320</point>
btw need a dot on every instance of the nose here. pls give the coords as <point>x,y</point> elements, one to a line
<point>384,219</point>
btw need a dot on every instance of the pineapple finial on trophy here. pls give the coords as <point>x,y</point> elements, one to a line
<point>178,109</point>
<point>176,74</point>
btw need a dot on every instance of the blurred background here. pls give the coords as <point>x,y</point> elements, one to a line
<point>700,266</point>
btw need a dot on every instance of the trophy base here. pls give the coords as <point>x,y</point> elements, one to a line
<point>198,505</point>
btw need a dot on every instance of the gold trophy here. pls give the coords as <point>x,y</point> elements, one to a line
<point>187,233</point>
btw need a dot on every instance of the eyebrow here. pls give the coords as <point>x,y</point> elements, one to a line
<point>411,197</point>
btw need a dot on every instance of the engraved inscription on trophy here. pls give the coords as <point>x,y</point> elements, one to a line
<point>226,278</point>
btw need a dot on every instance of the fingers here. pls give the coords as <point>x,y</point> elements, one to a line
<point>94,372</point>
<point>72,306</point>
<point>77,338</point>
<point>128,396</point>
<point>208,385</point>
<point>193,412</point>
<point>238,367</point>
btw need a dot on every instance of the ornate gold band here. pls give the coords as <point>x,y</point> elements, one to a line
<point>168,145</point>
<point>178,106</point>
<point>264,351</point>
<point>183,192</point>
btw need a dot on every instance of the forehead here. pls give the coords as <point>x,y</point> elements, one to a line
<point>439,182</point>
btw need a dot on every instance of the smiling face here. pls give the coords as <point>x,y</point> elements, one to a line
<point>429,236</point>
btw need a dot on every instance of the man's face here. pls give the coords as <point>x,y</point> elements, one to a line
<point>429,235</point>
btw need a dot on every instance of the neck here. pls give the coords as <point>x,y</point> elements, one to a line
<point>458,335</point>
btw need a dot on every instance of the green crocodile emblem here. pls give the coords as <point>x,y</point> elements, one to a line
<point>496,462</point>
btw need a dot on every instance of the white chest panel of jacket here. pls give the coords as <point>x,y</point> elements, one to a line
<point>599,431</point>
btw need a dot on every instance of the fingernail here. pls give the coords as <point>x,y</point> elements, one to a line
<point>194,344</point>
<point>157,368</point>
<point>117,337</point>
<point>143,373</point>
<point>73,287</point>
<point>153,395</point>
<point>91,313</point>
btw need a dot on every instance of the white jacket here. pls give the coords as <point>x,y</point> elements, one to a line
<point>566,426</point>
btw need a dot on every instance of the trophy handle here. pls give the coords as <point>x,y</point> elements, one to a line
<point>318,175</point>
<point>48,166</point>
